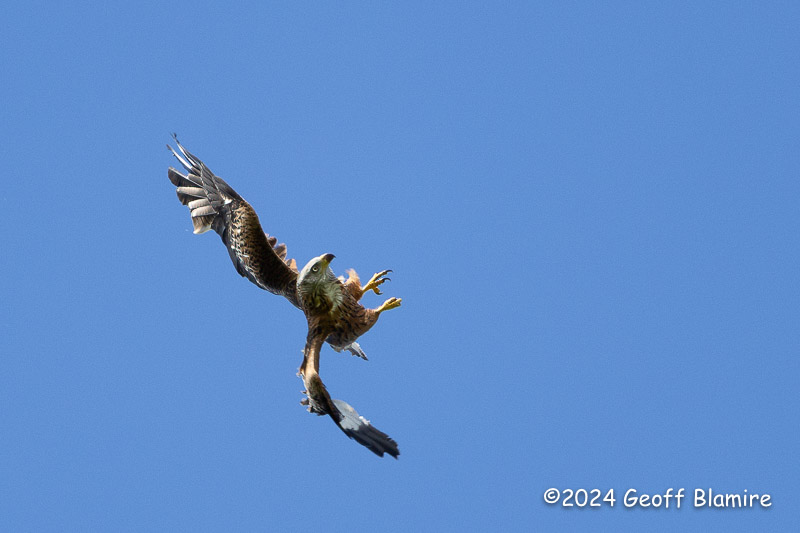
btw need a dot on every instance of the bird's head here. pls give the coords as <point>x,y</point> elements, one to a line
<point>316,272</point>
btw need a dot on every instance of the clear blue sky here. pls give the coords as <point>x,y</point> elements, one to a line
<point>591,214</point>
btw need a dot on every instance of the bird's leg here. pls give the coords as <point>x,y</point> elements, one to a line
<point>391,303</point>
<point>375,281</point>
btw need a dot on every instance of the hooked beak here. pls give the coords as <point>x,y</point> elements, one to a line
<point>327,258</point>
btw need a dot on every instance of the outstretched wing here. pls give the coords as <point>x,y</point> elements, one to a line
<point>349,421</point>
<point>215,205</point>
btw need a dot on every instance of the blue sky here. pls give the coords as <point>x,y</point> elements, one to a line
<point>590,211</point>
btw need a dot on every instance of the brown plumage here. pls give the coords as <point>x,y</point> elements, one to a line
<point>331,305</point>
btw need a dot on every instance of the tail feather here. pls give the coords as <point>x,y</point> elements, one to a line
<point>355,349</point>
<point>349,421</point>
<point>359,429</point>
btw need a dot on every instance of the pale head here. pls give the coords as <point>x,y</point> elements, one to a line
<point>316,272</point>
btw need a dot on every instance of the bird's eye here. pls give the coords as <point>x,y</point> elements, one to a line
<point>315,268</point>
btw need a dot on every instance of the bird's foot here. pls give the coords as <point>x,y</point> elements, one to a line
<point>391,303</point>
<point>375,281</point>
<point>311,405</point>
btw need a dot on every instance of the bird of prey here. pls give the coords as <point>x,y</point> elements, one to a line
<point>331,305</point>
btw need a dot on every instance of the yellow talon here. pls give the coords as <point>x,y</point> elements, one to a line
<point>375,281</point>
<point>391,303</point>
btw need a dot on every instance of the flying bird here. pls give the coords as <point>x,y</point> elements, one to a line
<point>331,304</point>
